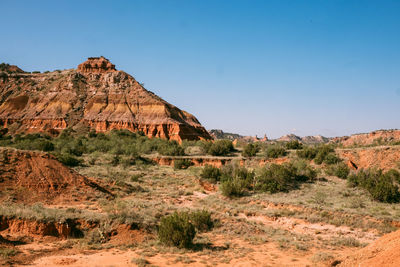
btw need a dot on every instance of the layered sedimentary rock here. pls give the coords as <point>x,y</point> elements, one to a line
<point>380,137</point>
<point>96,96</point>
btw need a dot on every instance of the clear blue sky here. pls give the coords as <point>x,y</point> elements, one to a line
<point>250,67</point>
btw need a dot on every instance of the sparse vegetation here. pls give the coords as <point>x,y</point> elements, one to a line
<point>340,170</point>
<point>211,173</point>
<point>380,185</point>
<point>220,148</point>
<point>275,151</point>
<point>294,145</point>
<point>276,178</point>
<point>250,150</point>
<point>182,164</point>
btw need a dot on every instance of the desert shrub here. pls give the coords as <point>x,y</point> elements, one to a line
<point>211,173</point>
<point>275,151</point>
<point>115,160</point>
<point>233,187</point>
<point>324,153</point>
<point>331,158</point>
<point>277,178</point>
<point>303,171</point>
<point>394,175</point>
<point>170,148</point>
<point>68,159</point>
<point>294,145</point>
<point>34,141</point>
<point>176,230</point>
<point>236,180</point>
<point>36,144</point>
<point>250,150</point>
<point>340,170</point>
<point>201,220</point>
<point>274,178</point>
<point>182,164</point>
<point>220,148</point>
<point>380,185</point>
<point>5,252</point>
<point>307,153</point>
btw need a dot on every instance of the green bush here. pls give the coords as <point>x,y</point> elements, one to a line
<point>220,148</point>
<point>382,186</point>
<point>201,220</point>
<point>236,180</point>
<point>211,173</point>
<point>307,153</point>
<point>182,164</point>
<point>275,151</point>
<point>340,170</point>
<point>68,160</point>
<point>294,145</point>
<point>331,158</point>
<point>324,152</point>
<point>176,230</point>
<point>277,178</point>
<point>233,187</point>
<point>250,150</point>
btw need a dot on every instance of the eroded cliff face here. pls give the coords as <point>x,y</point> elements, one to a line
<point>381,157</point>
<point>96,96</point>
<point>380,137</point>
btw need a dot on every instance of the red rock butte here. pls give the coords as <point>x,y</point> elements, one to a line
<point>94,96</point>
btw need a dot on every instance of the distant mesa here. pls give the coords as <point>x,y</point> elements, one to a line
<point>94,96</point>
<point>313,139</point>
<point>220,134</point>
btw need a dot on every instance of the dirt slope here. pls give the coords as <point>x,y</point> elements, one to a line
<point>382,157</point>
<point>96,96</point>
<point>383,252</point>
<point>27,176</point>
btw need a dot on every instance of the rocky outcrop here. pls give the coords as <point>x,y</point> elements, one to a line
<point>315,139</point>
<point>96,65</point>
<point>380,137</point>
<point>288,138</point>
<point>95,96</point>
<point>383,157</point>
<point>30,176</point>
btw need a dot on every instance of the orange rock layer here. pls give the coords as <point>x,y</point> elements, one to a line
<point>379,137</point>
<point>384,157</point>
<point>95,96</point>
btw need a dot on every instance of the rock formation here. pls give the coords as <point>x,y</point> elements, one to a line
<point>96,65</point>
<point>96,96</point>
<point>316,139</point>
<point>381,157</point>
<point>379,137</point>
